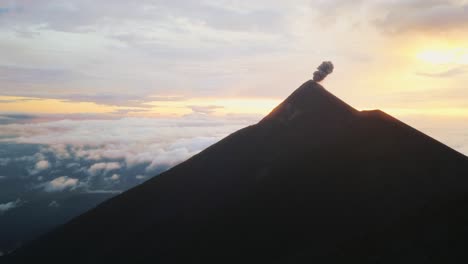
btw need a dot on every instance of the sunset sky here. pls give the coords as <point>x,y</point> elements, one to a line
<point>97,96</point>
<point>162,57</point>
<point>73,70</point>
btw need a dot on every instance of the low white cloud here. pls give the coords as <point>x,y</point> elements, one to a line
<point>135,141</point>
<point>140,177</point>
<point>113,180</point>
<point>103,167</point>
<point>9,205</point>
<point>40,165</point>
<point>115,177</point>
<point>101,153</point>
<point>60,184</point>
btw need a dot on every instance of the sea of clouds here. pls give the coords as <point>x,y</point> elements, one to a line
<point>101,155</point>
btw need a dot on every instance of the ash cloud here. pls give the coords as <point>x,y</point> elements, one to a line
<point>323,70</point>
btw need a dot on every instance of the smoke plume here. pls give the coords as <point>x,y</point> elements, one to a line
<point>323,70</point>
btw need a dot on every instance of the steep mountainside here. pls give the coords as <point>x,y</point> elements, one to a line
<point>315,180</point>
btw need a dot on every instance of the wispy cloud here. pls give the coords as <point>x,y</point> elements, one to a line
<point>204,109</point>
<point>54,204</point>
<point>427,16</point>
<point>15,118</point>
<point>4,207</point>
<point>446,74</point>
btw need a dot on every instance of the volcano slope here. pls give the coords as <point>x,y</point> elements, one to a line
<point>315,180</point>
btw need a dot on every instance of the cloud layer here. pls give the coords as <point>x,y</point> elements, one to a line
<point>111,154</point>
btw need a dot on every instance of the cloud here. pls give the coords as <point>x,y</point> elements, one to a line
<point>9,205</point>
<point>168,158</point>
<point>209,109</point>
<point>60,184</point>
<point>98,151</point>
<point>219,47</point>
<point>28,75</point>
<point>54,204</point>
<point>446,74</point>
<point>133,140</point>
<point>15,118</point>
<point>103,167</point>
<point>396,16</point>
<point>40,166</point>
<point>115,177</point>
<point>422,15</point>
<point>61,151</point>
<point>114,99</point>
<point>75,16</point>
<point>180,34</point>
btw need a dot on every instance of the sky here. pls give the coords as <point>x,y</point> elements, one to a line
<point>171,58</point>
<point>97,96</point>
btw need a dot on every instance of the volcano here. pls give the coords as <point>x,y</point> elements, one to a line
<point>315,180</point>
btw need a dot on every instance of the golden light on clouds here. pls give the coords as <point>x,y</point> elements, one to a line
<point>444,55</point>
<point>213,106</point>
<point>50,106</point>
<point>434,112</point>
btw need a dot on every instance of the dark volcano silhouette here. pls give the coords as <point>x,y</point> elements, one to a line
<point>315,180</point>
